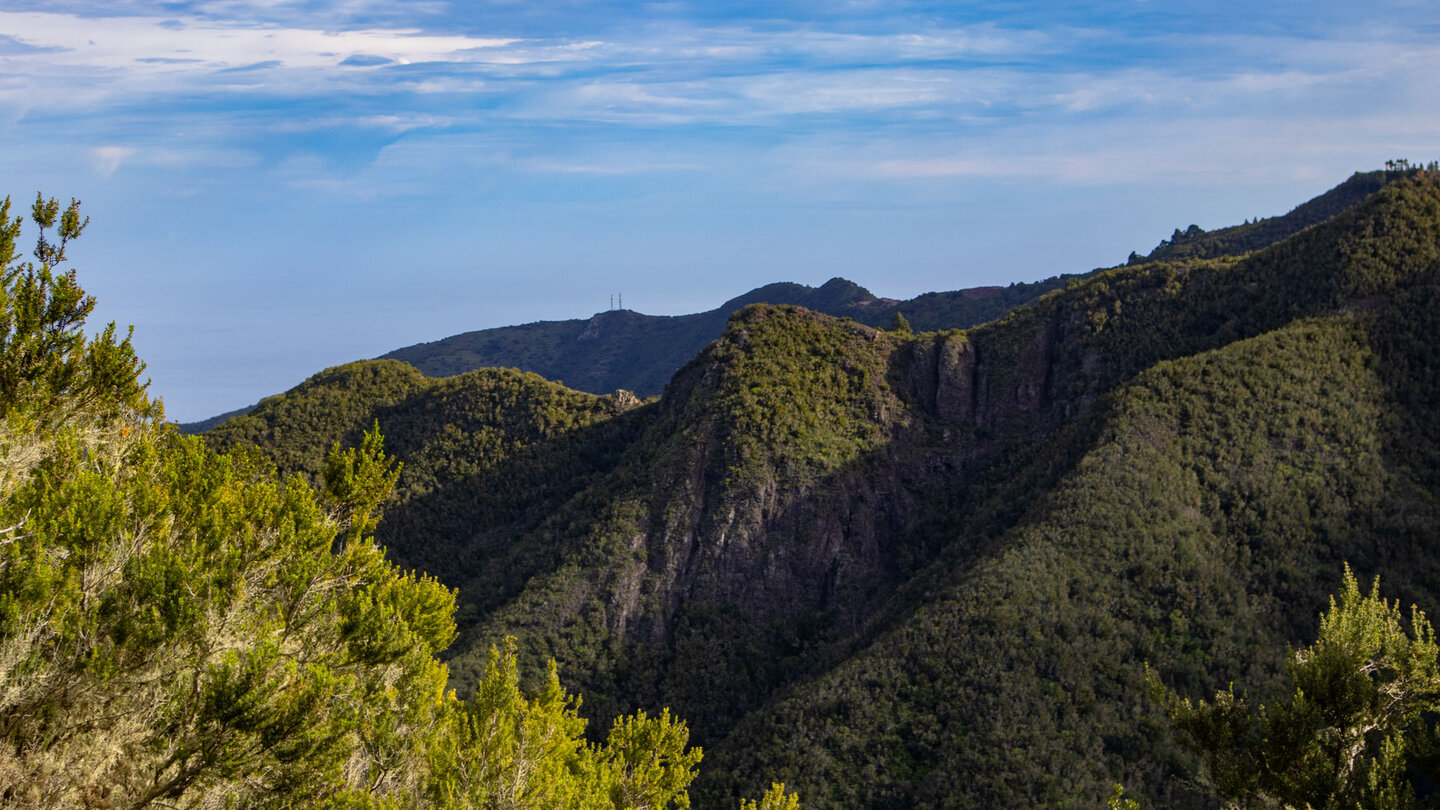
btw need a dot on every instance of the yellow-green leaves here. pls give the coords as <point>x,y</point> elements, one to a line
<point>502,749</point>
<point>395,613</point>
<point>505,749</point>
<point>650,761</point>
<point>1344,738</point>
<point>358,480</point>
<point>774,799</point>
<point>187,614</point>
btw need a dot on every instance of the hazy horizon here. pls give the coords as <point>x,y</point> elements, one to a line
<point>280,187</point>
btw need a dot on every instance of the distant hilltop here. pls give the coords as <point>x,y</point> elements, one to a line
<point>620,349</point>
<point>897,567</point>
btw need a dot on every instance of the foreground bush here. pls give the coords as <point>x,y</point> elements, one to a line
<point>185,629</point>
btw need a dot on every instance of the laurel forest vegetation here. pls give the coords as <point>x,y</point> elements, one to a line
<point>898,567</point>
<point>186,628</point>
<point>1359,730</point>
<point>885,560</point>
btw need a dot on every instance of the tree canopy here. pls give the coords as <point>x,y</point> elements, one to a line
<point>181,628</point>
<point>1358,732</point>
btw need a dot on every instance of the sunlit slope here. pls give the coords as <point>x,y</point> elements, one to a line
<point>1216,497</point>
<point>486,454</point>
<point>622,349</point>
<point>925,569</point>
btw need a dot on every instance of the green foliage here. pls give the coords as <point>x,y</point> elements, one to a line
<point>1117,800</point>
<point>1195,243</point>
<point>965,309</point>
<point>510,751</point>
<point>175,624</point>
<point>493,448</point>
<point>774,799</point>
<point>800,394</point>
<point>650,761</point>
<point>507,750</point>
<point>358,480</point>
<point>626,350</point>
<point>181,628</point>
<point>49,370</point>
<point>1346,736</point>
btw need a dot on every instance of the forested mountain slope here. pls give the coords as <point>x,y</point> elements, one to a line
<point>487,454</point>
<point>925,570</point>
<point>1196,243</point>
<point>625,350</point>
<point>184,629</point>
<point>621,349</point>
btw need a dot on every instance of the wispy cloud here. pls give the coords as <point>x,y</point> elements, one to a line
<point>12,46</point>
<point>108,158</point>
<point>665,73</point>
<point>499,131</point>
<point>253,66</point>
<point>366,60</point>
<point>135,48</point>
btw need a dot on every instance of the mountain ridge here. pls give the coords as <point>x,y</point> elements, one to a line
<point>922,570</point>
<point>622,349</point>
<point>627,350</point>
<point>1197,243</point>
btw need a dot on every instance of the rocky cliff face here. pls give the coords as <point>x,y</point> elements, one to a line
<point>870,561</point>
<point>803,470</point>
<point>797,474</point>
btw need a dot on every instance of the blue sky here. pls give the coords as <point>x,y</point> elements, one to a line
<point>280,186</point>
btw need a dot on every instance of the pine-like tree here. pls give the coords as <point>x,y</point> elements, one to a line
<point>1355,733</point>
<point>182,629</point>
<point>900,324</point>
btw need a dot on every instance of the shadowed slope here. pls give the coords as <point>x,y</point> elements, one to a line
<point>923,570</point>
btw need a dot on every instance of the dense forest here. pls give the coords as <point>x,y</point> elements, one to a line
<point>624,350</point>
<point>900,567</point>
<point>1059,559</point>
<point>621,350</point>
<point>186,629</point>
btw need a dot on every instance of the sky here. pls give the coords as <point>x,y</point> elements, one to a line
<point>280,186</point>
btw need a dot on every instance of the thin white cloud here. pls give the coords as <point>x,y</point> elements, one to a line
<point>872,89</point>
<point>893,87</point>
<point>107,159</point>
<point>1183,150</point>
<point>154,55</point>
<point>394,124</point>
<point>131,47</point>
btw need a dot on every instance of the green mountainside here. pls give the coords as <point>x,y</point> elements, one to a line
<point>621,349</point>
<point>1196,243</point>
<point>181,628</point>
<point>624,350</point>
<point>496,448</point>
<point>926,570</point>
